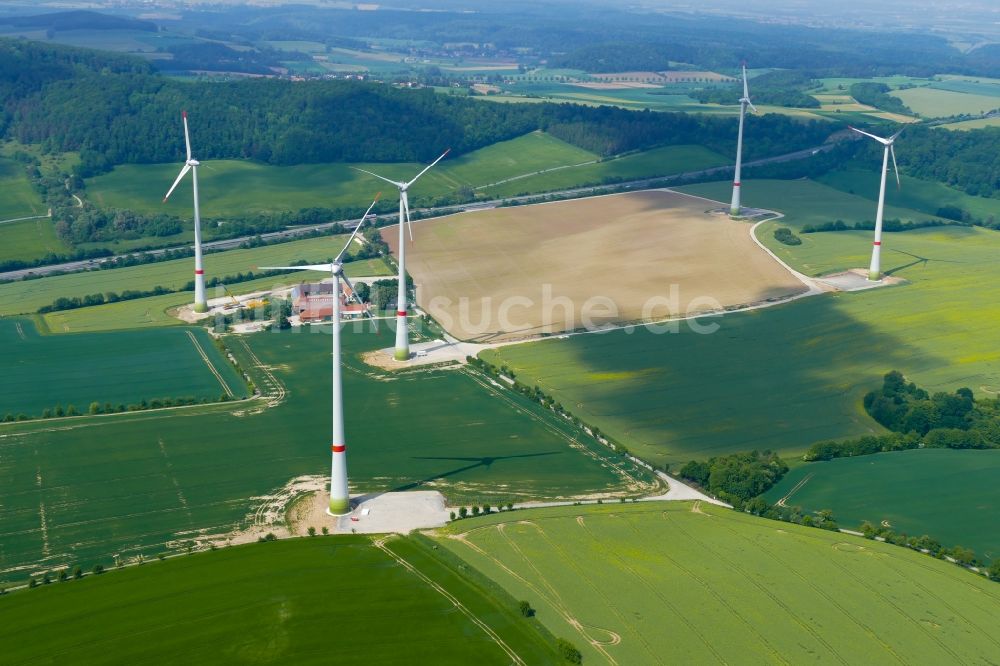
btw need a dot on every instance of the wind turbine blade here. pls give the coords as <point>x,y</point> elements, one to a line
<point>752,107</point>
<point>746,89</point>
<point>428,167</point>
<point>896,135</point>
<point>406,209</point>
<point>312,267</point>
<point>187,137</point>
<point>872,136</point>
<point>379,177</point>
<point>357,228</point>
<point>892,151</point>
<point>187,167</point>
<point>354,295</point>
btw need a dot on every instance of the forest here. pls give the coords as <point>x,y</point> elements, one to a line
<point>778,88</point>
<point>121,111</point>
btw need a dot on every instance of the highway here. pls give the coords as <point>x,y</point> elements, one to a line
<point>349,225</point>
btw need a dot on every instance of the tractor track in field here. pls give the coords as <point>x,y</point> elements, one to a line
<point>808,582</point>
<point>796,488</point>
<point>515,658</point>
<point>274,383</point>
<point>211,366</point>
<point>549,593</point>
<point>763,588</point>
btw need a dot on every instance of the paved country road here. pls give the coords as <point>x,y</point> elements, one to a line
<point>291,233</point>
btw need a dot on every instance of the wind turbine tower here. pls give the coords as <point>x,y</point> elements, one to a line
<point>340,499</point>
<point>734,208</point>
<point>874,270</point>
<point>402,334</point>
<point>191,164</point>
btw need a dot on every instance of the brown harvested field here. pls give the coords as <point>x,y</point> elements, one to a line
<point>522,271</point>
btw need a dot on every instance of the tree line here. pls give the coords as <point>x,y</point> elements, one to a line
<point>737,477</point>
<point>917,420</point>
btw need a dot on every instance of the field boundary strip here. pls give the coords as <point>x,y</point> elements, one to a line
<point>208,362</point>
<point>515,658</point>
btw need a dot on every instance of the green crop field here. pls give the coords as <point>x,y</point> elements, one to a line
<point>935,103</point>
<point>296,601</point>
<point>136,313</point>
<point>787,376</point>
<point>679,583</point>
<point>921,195</point>
<point>120,368</point>
<point>805,202</point>
<point>154,481</point>
<point>233,187</point>
<point>27,296</point>
<point>951,495</point>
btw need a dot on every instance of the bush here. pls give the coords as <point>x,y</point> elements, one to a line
<point>568,651</point>
<point>785,235</point>
<point>526,609</point>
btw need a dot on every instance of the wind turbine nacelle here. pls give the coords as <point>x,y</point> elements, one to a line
<point>193,163</point>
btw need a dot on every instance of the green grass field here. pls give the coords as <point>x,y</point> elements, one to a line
<point>974,124</point>
<point>503,169</point>
<point>17,198</point>
<point>27,240</point>
<point>156,481</point>
<point>27,296</point>
<point>665,583</point>
<point>663,161</point>
<point>232,187</point>
<point>951,495</point>
<point>787,376</point>
<point>42,371</point>
<point>916,194</point>
<point>295,601</point>
<point>932,102</point>
<point>24,239</point>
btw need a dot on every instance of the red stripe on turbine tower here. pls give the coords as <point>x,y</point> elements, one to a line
<point>736,183</point>
<point>878,243</point>
<point>338,449</point>
<point>401,313</point>
<point>199,272</point>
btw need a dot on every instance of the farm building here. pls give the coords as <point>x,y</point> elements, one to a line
<point>311,302</point>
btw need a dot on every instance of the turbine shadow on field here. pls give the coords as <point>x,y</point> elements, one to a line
<point>780,378</point>
<point>917,260</point>
<point>485,461</point>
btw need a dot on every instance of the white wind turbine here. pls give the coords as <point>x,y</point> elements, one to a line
<point>340,499</point>
<point>191,164</point>
<point>734,208</point>
<point>874,272</point>
<point>402,334</point>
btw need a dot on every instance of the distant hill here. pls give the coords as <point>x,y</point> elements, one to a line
<point>116,109</point>
<point>78,20</point>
